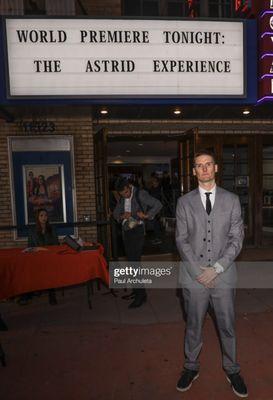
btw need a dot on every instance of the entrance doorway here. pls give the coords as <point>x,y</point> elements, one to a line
<point>160,164</point>
<point>151,165</point>
<point>169,158</point>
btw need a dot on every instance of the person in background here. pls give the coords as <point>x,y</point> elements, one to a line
<point>156,191</point>
<point>155,188</point>
<point>135,205</point>
<point>43,234</point>
<point>166,183</point>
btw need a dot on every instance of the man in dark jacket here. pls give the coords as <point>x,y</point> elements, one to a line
<point>135,206</point>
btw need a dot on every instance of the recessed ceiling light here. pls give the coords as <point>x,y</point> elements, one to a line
<point>140,144</point>
<point>128,151</point>
<point>177,111</point>
<point>104,111</point>
<point>246,111</point>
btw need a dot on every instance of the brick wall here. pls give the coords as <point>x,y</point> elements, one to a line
<point>81,130</point>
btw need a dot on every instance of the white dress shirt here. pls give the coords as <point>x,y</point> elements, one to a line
<point>127,202</point>
<point>204,197</point>
<point>128,206</point>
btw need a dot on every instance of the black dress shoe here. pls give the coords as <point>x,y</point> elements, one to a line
<point>128,296</point>
<point>138,301</point>
<point>238,385</point>
<point>186,379</point>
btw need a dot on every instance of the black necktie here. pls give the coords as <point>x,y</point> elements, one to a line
<point>208,203</point>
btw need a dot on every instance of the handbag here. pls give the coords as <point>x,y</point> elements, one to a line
<point>129,224</point>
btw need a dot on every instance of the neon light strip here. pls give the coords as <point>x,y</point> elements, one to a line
<point>265,13</point>
<point>266,76</point>
<point>265,98</point>
<point>266,55</point>
<point>266,33</point>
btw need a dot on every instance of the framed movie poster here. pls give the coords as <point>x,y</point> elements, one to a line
<point>42,176</point>
<point>44,188</point>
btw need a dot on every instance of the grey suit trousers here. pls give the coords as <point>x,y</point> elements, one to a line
<point>196,302</point>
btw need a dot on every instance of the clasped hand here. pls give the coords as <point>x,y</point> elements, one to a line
<point>141,215</point>
<point>207,277</point>
<point>126,215</point>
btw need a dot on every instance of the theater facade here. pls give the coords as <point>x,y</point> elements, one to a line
<point>85,97</point>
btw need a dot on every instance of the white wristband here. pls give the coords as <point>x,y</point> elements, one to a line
<point>218,268</point>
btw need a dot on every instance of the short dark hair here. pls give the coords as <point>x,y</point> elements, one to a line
<point>121,184</point>
<point>204,152</point>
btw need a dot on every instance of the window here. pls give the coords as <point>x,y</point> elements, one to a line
<point>49,7</point>
<point>221,8</point>
<point>184,8</point>
<point>180,8</point>
<point>268,189</point>
<point>148,8</point>
<point>11,7</point>
<point>35,7</point>
<point>60,7</point>
<point>235,174</point>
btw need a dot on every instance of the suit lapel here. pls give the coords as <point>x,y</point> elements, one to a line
<point>198,206</point>
<point>217,202</point>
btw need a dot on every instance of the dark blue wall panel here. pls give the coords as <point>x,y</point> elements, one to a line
<point>46,158</point>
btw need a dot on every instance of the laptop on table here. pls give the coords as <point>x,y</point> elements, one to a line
<point>73,244</point>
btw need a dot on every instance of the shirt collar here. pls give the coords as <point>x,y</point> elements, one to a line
<point>203,191</point>
<point>132,193</point>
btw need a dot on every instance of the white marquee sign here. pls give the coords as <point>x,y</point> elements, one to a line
<point>119,57</point>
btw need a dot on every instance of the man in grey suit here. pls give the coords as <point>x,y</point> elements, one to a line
<point>209,237</point>
<point>135,206</point>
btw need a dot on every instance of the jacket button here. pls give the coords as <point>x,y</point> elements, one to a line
<point>204,239</point>
<point>209,221</point>
<point>201,255</point>
<point>208,249</point>
<point>209,241</point>
<point>208,231</point>
<point>209,260</point>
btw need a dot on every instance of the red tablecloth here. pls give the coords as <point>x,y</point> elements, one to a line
<point>56,267</point>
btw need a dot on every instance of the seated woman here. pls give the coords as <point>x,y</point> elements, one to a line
<point>43,234</point>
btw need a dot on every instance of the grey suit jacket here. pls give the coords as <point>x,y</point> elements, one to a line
<point>150,205</point>
<point>204,239</point>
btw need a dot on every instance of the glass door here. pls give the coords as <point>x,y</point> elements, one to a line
<point>235,177</point>
<point>186,150</point>
<point>267,195</point>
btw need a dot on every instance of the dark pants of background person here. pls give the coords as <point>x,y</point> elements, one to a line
<point>133,241</point>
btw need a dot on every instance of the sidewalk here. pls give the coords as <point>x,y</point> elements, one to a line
<point>69,352</point>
